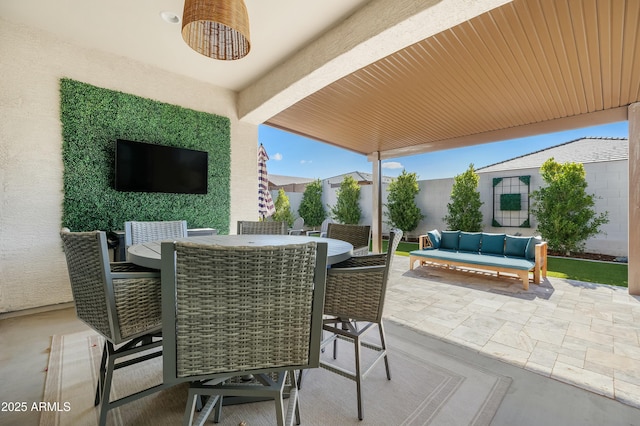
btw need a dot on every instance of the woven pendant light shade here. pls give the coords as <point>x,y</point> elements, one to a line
<point>218,29</point>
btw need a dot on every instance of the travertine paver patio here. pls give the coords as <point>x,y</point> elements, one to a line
<point>584,334</point>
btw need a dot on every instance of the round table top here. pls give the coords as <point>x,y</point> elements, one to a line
<point>148,254</point>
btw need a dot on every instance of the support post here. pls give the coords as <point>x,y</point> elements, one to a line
<point>376,208</point>
<point>634,199</point>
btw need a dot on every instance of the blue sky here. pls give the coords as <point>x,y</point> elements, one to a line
<point>293,155</point>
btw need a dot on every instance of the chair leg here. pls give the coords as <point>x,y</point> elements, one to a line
<point>218,413</point>
<point>294,392</point>
<point>101,374</point>
<point>358,377</point>
<point>279,401</point>
<point>383,344</point>
<point>106,388</point>
<point>190,409</point>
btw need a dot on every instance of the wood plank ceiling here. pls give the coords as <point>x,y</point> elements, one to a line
<point>529,61</point>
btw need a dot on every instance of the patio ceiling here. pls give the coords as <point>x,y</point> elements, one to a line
<point>527,67</point>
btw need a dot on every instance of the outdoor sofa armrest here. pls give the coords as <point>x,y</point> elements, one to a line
<point>424,242</point>
<point>541,261</point>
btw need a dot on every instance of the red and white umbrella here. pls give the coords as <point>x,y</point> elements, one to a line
<point>265,202</point>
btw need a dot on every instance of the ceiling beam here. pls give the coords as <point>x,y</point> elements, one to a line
<point>561,124</point>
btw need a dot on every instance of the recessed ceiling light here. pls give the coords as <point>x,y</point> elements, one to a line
<point>170,17</point>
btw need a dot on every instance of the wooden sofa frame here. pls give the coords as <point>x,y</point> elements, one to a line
<point>539,269</point>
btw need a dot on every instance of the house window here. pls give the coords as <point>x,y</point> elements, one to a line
<point>511,201</point>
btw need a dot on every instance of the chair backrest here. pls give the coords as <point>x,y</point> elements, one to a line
<point>358,292</point>
<point>395,235</point>
<point>98,302</point>
<point>298,223</point>
<point>241,309</point>
<point>357,235</point>
<point>325,225</point>
<point>143,232</point>
<point>263,227</point>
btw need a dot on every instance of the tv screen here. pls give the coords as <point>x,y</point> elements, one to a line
<point>145,167</point>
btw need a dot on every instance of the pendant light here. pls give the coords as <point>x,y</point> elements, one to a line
<point>218,29</point>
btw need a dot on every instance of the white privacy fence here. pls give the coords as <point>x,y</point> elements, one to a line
<point>607,180</point>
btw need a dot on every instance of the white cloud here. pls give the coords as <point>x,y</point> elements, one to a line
<point>392,165</point>
<point>277,156</point>
<point>306,161</point>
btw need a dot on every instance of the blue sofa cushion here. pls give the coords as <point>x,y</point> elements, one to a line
<point>470,241</point>
<point>516,246</point>
<point>492,243</point>
<point>530,251</point>
<point>450,240</point>
<point>434,237</point>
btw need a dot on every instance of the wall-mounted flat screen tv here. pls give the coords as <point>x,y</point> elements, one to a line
<point>146,167</point>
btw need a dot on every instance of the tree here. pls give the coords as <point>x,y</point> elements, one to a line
<point>464,208</point>
<point>283,208</point>
<point>563,208</point>
<point>402,211</point>
<point>311,208</point>
<point>347,208</point>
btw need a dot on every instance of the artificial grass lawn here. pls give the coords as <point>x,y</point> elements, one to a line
<point>559,267</point>
<point>588,270</point>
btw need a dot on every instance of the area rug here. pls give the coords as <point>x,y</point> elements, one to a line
<point>426,387</point>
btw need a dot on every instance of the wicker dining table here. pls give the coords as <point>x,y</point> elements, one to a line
<point>148,254</point>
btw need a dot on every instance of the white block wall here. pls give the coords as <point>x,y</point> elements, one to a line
<point>608,180</point>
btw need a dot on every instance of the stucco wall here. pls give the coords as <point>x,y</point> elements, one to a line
<point>32,267</point>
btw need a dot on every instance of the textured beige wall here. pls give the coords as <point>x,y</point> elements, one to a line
<point>32,267</point>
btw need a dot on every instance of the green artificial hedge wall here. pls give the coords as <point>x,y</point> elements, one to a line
<point>93,118</point>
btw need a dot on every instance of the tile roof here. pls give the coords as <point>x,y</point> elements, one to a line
<point>358,176</point>
<point>280,180</point>
<point>584,150</point>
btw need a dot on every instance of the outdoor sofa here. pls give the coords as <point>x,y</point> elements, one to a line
<point>480,250</point>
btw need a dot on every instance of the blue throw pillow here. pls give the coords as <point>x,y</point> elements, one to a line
<point>516,246</point>
<point>492,243</point>
<point>470,241</point>
<point>530,251</point>
<point>449,240</point>
<point>434,237</point>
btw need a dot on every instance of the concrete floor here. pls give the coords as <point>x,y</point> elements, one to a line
<point>486,321</point>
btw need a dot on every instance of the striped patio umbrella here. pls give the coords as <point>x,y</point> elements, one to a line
<point>265,202</point>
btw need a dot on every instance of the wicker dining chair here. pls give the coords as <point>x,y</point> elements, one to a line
<point>357,235</point>
<point>263,227</point>
<point>297,228</point>
<point>142,232</point>
<point>354,302</point>
<point>120,301</point>
<point>231,312</point>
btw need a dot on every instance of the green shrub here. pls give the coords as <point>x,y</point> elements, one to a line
<point>563,208</point>
<point>402,211</point>
<point>347,208</point>
<point>311,208</point>
<point>283,208</point>
<point>464,209</point>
